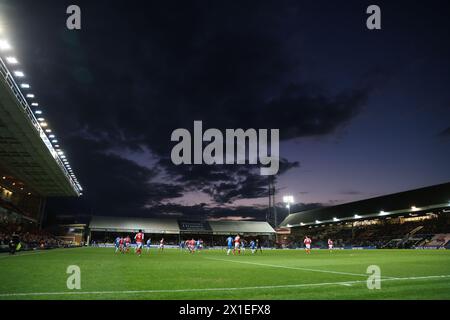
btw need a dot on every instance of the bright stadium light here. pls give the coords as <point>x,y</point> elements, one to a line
<point>317,221</point>
<point>335,219</point>
<point>414,208</point>
<point>41,119</point>
<point>19,74</point>
<point>12,60</point>
<point>288,200</point>
<point>302,224</point>
<point>51,136</point>
<point>55,141</point>
<point>357,216</point>
<point>35,104</point>
<point>48,130</point>
<point>56,145</point>
<point>38,112</point>
<point>382,213</point>
<point>30,95</point>
<point>4,45</point>
<point>44,124</point>
<point>25,86</point>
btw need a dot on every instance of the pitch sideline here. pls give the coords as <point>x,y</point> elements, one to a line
<point>215,289</point>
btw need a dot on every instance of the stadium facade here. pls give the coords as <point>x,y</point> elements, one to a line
<point>403,219</point>
<point>105,229</point>
<point>33,166</point>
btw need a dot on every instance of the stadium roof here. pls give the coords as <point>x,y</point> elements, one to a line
<point>26,153</point>
<point>172,226</point>
<point>413,201</point>
<point>148,225</point>
<point>227,227</point>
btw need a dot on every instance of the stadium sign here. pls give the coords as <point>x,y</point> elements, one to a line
<point>235,147</point>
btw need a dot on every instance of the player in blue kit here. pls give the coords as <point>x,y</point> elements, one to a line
<point>230,241</point>
<point>117,244</point>
<point>253,246</point>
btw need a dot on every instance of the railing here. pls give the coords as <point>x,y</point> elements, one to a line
<point>6,75</point>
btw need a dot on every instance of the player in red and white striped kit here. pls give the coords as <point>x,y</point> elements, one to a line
<point>330,245</point>
<point>307,243</point>
<point>237,244</point>
<point>139,237</point>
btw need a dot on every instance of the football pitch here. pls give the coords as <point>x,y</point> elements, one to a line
<point>211,274</point>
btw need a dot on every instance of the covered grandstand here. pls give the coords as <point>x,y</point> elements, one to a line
<point>401,220</point>
<point>105,229</point>
<point>33,165</point>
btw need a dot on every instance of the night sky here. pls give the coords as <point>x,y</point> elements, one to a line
<point>361,113</point>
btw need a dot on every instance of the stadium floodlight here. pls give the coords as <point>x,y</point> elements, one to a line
<point>35,104</point>
<point>382,213</point>
<point>4,45</point>
<point>55,141</point>
<point>302,224</point>
<point>56,145</point>
<point>51,136</point>
<point>357,216</point>
<point>25,85</point>
<point>317,221</point>
<point>12,60</point>
<point>48,130</point>
<point>44,124</point>
<point>19,74</point>
<point>414,208</point>
<point>41,119</point>
<point>38,112</point>
<point>30,95</point>
<point>335,219</point>
<point>288,200</point>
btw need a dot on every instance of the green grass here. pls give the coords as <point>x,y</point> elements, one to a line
<point>105,275</point>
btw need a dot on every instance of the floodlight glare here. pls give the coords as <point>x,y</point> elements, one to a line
<point>44,124</point>
<point>12,60</point>
<point>288,199</point>
<point>4,45</point>
<point>35,104</point>
<point>48,130</point>
<point>51,136</point>
<point>38,112</point>
<point>30,95</point>
<point>41,119</point>
<point>19,74</point>
<point>25,85</point>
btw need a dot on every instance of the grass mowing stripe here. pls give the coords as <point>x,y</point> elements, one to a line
<point>298,268</point>
<point>217,289</point>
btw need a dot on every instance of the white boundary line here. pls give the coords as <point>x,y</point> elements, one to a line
<point>298,268</point>
<point>213,289</point>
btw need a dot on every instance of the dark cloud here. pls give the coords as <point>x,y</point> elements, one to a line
<point>445,133</point>
<point>134,73</point>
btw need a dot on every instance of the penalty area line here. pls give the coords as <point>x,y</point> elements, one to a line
<point>344,283</point>
<point>298,268</point>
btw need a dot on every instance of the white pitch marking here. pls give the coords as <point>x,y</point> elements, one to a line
<point>214,289</point>
<point>298,268</point>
